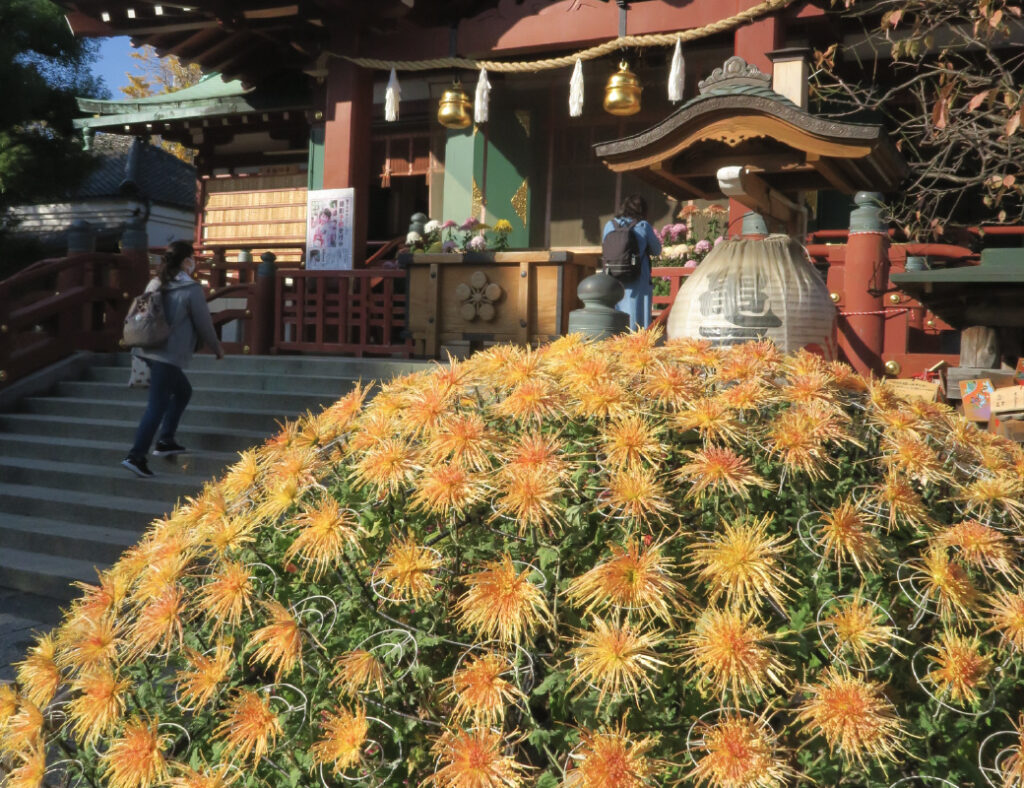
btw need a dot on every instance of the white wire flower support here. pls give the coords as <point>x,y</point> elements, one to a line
<point>994,752</point>
<point>922,781</point>
<point>520,662</point>
<point>983,707</point>
<point>988,515</point>
<point>866,500</point>
<point>181,731</point>
<point>60,770</point>
<point>829,638</point>
<point>308,609</point>
<point>383,590</point>
<point>290,698</point>
<point>375,766</point>
<point>696,744</point>
<point>266,568</point>
<point>906,577</point>
<point>395,649</point>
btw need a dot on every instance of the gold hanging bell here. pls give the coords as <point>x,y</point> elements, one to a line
<point>622,93</point>
<point>454,111</point>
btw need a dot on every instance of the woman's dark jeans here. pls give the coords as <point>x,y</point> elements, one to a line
<point>169,393</point>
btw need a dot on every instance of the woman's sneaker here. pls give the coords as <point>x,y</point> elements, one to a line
<point>138,466</point>
<point>168,449</point>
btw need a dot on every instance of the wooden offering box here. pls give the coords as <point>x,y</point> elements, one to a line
<point>465,302</point>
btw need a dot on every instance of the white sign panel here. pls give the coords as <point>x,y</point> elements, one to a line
<point>329,217</point>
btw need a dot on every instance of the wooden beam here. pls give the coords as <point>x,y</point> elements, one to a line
<point>829,170</point>
<point>759,162</point>
<point>753,192</point>
<point>681,183</point>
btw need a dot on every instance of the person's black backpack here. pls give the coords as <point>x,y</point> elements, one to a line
<point>620,252</point>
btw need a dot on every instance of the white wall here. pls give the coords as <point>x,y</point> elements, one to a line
<point>166,224</point>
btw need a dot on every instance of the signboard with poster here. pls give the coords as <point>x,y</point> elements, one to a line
<point>329,216</point>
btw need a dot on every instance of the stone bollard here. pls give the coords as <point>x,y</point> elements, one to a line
<point>599,318</point>
<point>263,305</point>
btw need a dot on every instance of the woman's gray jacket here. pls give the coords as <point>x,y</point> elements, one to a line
<point>189,318</point>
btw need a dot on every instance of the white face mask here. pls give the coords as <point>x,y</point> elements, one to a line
<point>188,266</point>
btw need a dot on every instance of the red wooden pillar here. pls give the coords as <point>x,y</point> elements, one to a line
<point>752,43</point>
<point>347,142</point>
<point>865,279</point>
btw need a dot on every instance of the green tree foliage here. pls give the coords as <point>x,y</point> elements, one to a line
<point>42,68</point>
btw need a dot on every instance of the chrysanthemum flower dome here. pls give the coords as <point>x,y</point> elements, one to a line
<point>614,564</point>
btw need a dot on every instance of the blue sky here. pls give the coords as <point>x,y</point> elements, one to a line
<point>115,59</point>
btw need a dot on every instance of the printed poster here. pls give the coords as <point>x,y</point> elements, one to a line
<point>977,399</point>
<point>329,217</point>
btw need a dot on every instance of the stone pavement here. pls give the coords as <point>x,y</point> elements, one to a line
<point>21,615</point>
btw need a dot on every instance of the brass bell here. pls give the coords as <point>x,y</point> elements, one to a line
<point>622,93</point>
<point>454,110</point>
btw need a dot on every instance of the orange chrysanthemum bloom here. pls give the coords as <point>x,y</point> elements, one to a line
<point>343,410</point>
<point>914,458</point>
<point>1011,766</point>
<point>613,759</point>
<point>480,691</point>
<point>97,702</point>
<point>743,563</point>
<point>1006,614</point>
<point>945,582</point>
<point>637,579</point>
<point>615,658</point>
<point>157,625</point>
<point>853,716</point>
<point>204,675</point>
<point>530,496</point>
<point>845,377</point>
<point>535,451</point>
<point>716,469</point>
<point>732,653</point>
<point>462,439</point>
<point>898,496</point>
<point>960,670</point>
<point>28,770</point>
<point>671,387</point>
<point>374,426</point>
<point>135,759</point>
<point>359,670</point>
<point>387,467</point>
<point>100,600</point>
<point>38,674</point>
<point>408,570</point>
<point>604,399</point>
<point>220,776</point>
<point>23,730</point>
<point>807,386</point>
<point>474,759</point>
<point>343,739</point>
<point>631,440</point>
<point>325,531</point>
<point>279,643</point>
<point>749,361</point>
<point>714,421</point>
<point>739,751</point>
<point>795,440</point>
<point>165,556</point>
<point>518,365</point>
<point>226,594</point>
<point>501,603</point>
<point>446,490</point>
<point>859,628</point>
<point>424,408</point>
<point>845,535</point>
<point>225,536</point>
<point>980,546</point>
<point>1000,493</point>
<point>695,352</point>
<point>748,395</point>
<point>250,726</point>
<point>636,494</point>
<point>87,644</point>
<point>533,400</point>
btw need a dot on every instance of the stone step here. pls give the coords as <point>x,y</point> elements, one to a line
<point>321,366</point>
<point>229,415</point>
<point>330,388</point>
<point>283,401</point>
<point>97,479</point>
<point>62,538</point>
<point>107,454</point>
<point>45,575</point>
<point>123,431</point>
<point>132,512</point>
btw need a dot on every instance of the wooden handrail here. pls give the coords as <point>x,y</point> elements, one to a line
<point>387,248</point>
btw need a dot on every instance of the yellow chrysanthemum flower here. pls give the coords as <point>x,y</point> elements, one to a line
<point>501,603</point>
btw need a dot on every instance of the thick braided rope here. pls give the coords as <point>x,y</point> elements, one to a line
<point>650,39</point>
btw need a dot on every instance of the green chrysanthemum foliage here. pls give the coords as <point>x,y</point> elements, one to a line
<point>612,564</point>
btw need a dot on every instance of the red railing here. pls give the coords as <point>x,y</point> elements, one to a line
<point>56,307</point>
<point>359,312</point>
<point>662,304</point>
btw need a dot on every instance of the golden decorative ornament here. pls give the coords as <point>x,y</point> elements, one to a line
<point>894,298</point>
<point>125,295</point>
<point>893,368</point>
<point>3,329</point>
<point>3,374</point>
<point>931,323</point>
<point>622,93</point>
<point>520,200</point>
<point>454,111</point>
<point>246,349</point>
<point>835,297</point>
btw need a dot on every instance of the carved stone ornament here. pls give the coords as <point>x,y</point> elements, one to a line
<point>735,71</point>
<point>478,298</point>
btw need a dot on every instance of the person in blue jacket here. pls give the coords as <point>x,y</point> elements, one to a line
<point>638,300</point>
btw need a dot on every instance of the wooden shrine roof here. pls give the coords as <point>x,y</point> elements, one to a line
<point>738,120</point>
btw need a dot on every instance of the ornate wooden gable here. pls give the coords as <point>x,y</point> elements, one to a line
<point>739,121</point>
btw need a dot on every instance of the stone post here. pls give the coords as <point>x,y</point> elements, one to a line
<point>599,319</point>
<point>81,237</point>
<point>865,280</point>
<point>263,305</point>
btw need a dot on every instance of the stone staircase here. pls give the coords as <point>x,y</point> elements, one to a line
<point>66,505</point>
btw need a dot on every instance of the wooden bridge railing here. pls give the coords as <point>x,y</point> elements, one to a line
<point>56,307</point>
